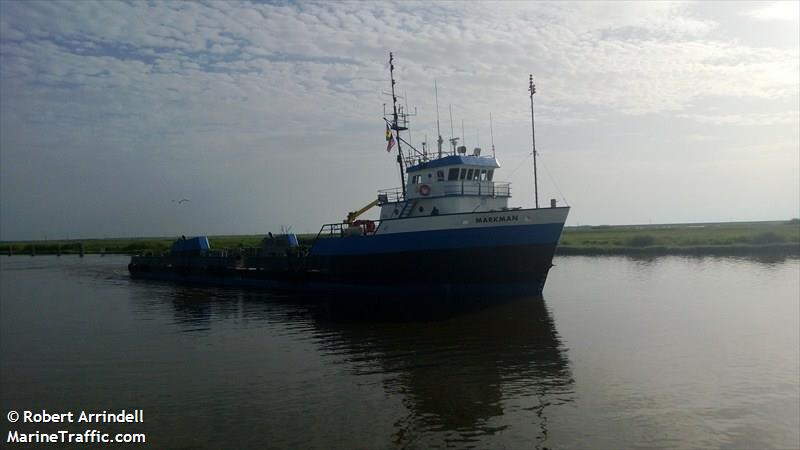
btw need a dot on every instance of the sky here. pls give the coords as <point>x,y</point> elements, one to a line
<point>270,115</point>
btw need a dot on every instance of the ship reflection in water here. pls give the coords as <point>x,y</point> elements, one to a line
<point>457,372</point>
<point>457,368</point>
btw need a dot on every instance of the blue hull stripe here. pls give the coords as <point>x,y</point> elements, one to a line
<point>543,234</point>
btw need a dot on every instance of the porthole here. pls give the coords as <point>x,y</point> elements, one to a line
<point>421,209</point>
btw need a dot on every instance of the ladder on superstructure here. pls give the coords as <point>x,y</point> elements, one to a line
<point>408,207</point>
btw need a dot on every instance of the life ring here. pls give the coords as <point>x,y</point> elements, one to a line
<point>424,190</point>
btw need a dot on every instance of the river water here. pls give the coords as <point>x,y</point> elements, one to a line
<point>619,353</point>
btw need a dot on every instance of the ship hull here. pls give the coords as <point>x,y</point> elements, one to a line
<point>523,267</point>
<point>374,275</point>
<point>509,251</point>
<point>513,248</point>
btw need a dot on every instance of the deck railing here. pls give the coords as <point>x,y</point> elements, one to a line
<point>392,195</point>
<point>491,188</point>
<point>342,229</point>
<point>458,187</point>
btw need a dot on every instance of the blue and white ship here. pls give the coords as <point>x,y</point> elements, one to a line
<point>450,224</point>
<point>448,227</point>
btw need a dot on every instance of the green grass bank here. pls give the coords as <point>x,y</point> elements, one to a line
<point>732,238</point>
<point>728,238</point>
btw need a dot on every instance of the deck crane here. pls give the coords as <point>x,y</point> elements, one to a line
<point>353,215</point>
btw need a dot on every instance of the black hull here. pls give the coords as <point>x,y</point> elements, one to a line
<point>487,265</point>
<point>519,268</point>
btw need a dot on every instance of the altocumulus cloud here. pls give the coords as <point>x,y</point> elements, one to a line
<point>169,94</point>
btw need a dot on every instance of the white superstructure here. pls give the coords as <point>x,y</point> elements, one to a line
<point>448,185</point>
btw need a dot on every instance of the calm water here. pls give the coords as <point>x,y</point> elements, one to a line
<point>666,352</point>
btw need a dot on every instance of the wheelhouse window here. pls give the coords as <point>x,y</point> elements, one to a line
<point>483,175</point>
<point>489,175</point>
<point>452,174</point>
<point>469,174</point>
<point>440,175</point>
<point>463,174</point>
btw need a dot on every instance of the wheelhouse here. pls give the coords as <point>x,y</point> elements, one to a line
<point>454,175</point>
<point>447,185</point>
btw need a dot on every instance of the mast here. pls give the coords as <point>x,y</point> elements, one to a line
<point>532,90</point>
<point>491,132</point>
<point>453,139</point>
<point>404,111</point>
<point>396,127</point>
<point>463,136</point>
<point>438,129</point>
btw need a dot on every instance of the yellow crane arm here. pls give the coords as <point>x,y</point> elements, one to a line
<point>353,215</point>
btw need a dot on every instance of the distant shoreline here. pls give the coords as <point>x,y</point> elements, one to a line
<point>781,249</point>
<point>779,238</point>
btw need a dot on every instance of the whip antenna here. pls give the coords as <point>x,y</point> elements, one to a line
<point>491,132</point>
<point>453,139</point>
<point>532,90</point>
<point>438,128</point>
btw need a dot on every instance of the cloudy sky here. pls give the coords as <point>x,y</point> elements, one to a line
<point>270,114</point>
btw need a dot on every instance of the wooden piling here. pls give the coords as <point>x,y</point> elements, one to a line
<point>10,250</point>
<point>80,249</point>
<point>33,250</point>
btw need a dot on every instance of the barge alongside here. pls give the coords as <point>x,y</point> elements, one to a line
<point>448,227</point>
